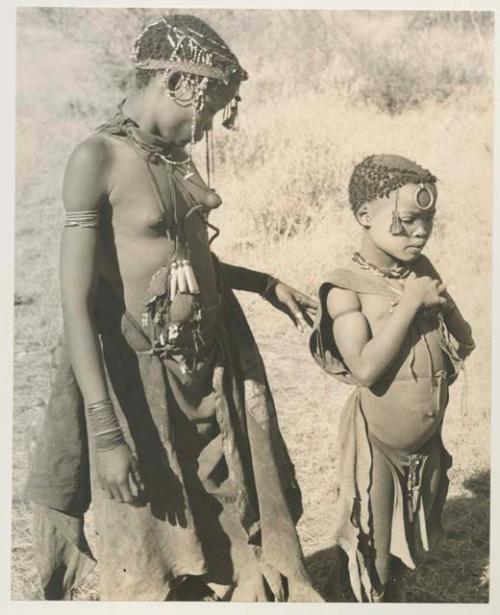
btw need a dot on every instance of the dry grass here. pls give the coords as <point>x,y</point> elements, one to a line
<point>283,177</point>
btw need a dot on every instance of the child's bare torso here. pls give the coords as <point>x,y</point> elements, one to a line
<point>406,406</point>
<point>134,242</point>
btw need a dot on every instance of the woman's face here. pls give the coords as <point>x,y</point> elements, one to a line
<point>417,223</point>
<point>175,116</point>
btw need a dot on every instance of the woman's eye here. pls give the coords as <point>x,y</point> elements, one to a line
<point>407,220</point>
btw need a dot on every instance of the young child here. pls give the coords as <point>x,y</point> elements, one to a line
<point>384,326</point>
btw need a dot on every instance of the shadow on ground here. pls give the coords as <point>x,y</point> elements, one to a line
<point>456,571</point>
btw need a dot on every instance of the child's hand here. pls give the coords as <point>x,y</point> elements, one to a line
<point>426,292</point>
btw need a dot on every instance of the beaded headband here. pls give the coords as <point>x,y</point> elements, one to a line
<point>203,70</point>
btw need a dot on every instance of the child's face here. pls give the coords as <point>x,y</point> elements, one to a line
<point>417,223</point>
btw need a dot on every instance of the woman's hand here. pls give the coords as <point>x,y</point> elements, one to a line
<point>119,474</point>
<point>299,307</point>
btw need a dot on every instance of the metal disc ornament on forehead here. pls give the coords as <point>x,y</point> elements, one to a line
<point>424,198</point>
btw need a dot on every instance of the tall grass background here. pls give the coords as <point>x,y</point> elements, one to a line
<point>326,88</point>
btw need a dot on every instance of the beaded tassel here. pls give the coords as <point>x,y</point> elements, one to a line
<point>396,227</point>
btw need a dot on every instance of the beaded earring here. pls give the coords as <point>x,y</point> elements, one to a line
<point>230,116</point>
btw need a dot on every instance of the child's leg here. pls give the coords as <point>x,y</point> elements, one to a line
<point>431,477</point>
<point>396,586</point>
<point>382,503</point>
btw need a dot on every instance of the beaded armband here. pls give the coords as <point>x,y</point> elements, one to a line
<point>83,219</point>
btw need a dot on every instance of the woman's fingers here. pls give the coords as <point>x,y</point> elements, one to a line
<point>114,492</point>
<point>125,493</point>
<point>135,475</point>
<point>296,314</point>
<point>307,302</point>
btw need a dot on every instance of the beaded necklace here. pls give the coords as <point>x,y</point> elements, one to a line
<point>398,272</point>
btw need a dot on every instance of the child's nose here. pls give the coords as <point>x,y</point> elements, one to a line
<point>423,228</point>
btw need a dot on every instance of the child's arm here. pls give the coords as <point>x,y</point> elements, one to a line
<point>368,356</point>
<point>458,327</point>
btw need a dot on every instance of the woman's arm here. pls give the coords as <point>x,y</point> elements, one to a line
<point>296,305</point>
<point>241,278</point>
<point>368,356</point>
<point>84,191</point>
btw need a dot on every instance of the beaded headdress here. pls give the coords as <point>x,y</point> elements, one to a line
<point>379,175</point>
<point>187,46</point>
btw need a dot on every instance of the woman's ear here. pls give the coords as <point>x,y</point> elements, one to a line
<point>363,215</point>
<point>180,89</point>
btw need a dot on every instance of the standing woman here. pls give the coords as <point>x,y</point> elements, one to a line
<point>160,411</point>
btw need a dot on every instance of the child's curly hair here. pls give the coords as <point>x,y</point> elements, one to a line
<point>378,175</point>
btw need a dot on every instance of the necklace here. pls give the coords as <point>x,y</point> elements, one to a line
<point>397,272</point>
<point>154,145</point>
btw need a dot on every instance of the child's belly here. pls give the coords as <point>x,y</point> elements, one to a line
<point>408,412</point>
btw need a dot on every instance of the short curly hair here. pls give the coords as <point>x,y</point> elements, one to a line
<point>378,175</point>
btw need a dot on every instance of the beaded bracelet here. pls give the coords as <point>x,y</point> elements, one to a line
<point>104,426</point>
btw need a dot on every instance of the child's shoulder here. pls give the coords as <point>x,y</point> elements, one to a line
<point>341,300</point>
<point>423,266</point>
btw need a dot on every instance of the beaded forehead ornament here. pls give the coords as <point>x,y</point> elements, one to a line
<point>378,176</point>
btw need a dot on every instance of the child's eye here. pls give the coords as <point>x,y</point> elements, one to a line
<point>407,220</point>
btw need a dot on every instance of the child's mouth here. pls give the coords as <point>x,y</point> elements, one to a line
<point>415,249</point>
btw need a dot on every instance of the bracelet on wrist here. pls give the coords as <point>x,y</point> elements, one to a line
<point>270,286</point>
<point>104,426</point>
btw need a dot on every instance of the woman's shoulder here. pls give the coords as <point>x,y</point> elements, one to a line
<point>87,172</point>
<point>91,153</point>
